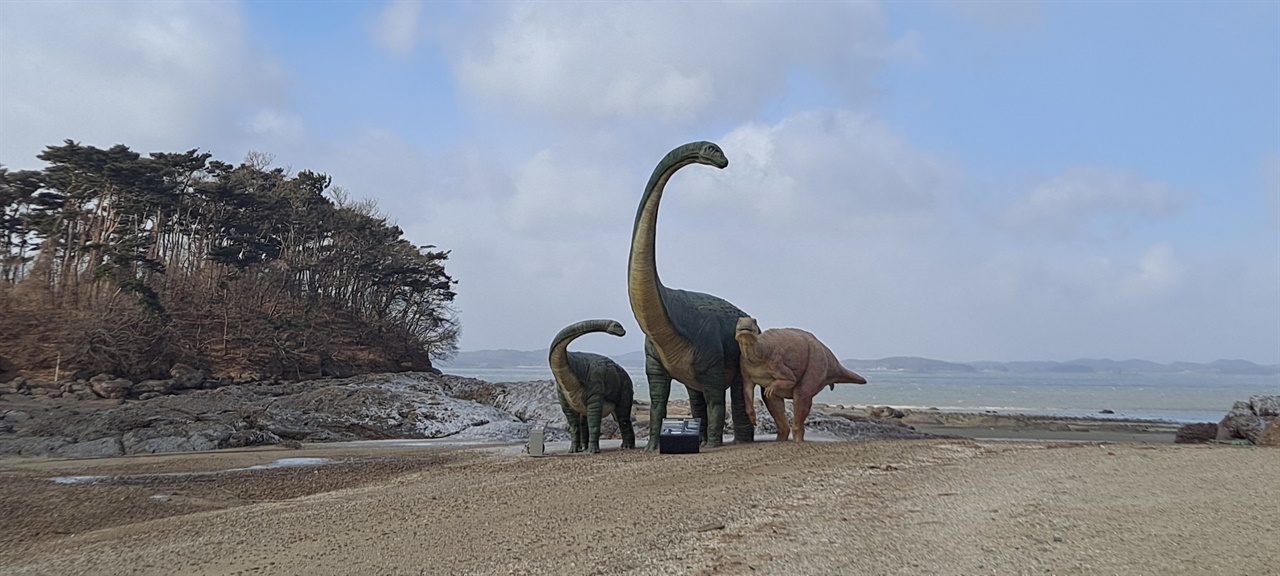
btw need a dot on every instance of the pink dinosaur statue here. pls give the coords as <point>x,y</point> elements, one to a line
<point>787,363</point>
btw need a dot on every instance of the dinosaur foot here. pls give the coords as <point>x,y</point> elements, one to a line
<point>652,445</point>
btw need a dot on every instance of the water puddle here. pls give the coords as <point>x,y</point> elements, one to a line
<point>136,478</point>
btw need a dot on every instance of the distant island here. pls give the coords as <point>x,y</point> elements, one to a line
<point>528,358</point>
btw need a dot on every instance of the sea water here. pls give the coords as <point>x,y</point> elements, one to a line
<point>1177,397</point>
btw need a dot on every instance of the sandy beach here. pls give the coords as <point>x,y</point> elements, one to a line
<point>884,507</point>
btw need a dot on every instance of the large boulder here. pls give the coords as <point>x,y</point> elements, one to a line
<point>187,378</point>
<point>1251,420</point>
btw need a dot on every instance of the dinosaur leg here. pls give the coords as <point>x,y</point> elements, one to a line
<point>595,411</point>
<point>698,409</point>
<point>572,419</point>
<point>778,409</point>
<point>659,393</point>
<point>714,382</point>
<point>743,406</point>
<point>800,407</point>
<point>622,413</point>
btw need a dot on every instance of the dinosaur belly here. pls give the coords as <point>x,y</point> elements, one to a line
<point>680,366</point>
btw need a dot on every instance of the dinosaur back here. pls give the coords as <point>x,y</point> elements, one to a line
<point>707,322</point>
<point>600,375</point>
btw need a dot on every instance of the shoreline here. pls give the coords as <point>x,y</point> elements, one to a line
<point>931,506</point>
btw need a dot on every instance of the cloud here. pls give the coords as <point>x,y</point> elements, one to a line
<point>829,169</point>
<point>559,197</point>
<point>154,76</point>
<point>274,124</point>
<point>1070,204</point>
<point>396,29</point>
<point>668,63</point>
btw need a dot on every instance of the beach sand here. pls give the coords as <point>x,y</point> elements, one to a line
<point>884,507</point>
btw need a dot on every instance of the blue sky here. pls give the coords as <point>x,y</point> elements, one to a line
<point>959,180</point>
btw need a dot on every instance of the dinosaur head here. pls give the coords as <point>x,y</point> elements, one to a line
<point>695,153</point>
<point>747,324</point>
<point>616,329</point>
<point>711,154</point>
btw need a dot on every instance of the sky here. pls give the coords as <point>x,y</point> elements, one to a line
<point>956,180</point>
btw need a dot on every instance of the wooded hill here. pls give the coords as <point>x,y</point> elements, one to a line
<point>115,262</point>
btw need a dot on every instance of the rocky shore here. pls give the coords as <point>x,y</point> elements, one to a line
<point>106,416</point>
<point>193,413</point>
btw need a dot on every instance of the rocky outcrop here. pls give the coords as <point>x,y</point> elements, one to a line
<point>1253,420</point>
<point>409,405</point>
<point>377,406</point>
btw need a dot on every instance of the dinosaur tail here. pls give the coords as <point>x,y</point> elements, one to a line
<point>848,376</point>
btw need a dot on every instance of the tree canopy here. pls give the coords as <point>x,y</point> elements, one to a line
<point>111,261</point>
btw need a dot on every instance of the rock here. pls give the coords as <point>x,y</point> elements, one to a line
<point>16,416</point>
<point>1248,420</point>
<point>186,378</point>
<point>884,412</point>
<point>111,387</point>
<point>100,448</point>
<point>157,387</point>
<point>1270,436</point>
<point>1106,411</point>
<point>1265,406</point>
<point>148,395</point>
<point>1199,433</point>
<point>177,437</point>
<point>243,438</point>
<point>36,446</point>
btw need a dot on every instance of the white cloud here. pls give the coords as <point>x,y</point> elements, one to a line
<point>1068,204</point>
<point>562,198</point>
<point>833,169</point>
<point>274,124</point>
<point>600,62</point>
<point>154,76</point>
<point>397,27</point>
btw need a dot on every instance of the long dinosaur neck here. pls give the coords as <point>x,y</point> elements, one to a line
<point>643,286</point>
<point>558,357</point>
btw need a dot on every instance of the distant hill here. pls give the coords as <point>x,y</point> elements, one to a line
<point>906,364</point>
<point>520,358</point>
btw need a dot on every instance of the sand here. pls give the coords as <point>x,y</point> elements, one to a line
<point>884,507</point>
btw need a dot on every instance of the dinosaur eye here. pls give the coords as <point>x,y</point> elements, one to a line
<point>711,150</point>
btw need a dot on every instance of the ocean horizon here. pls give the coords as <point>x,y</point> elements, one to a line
<point>1174,397</point>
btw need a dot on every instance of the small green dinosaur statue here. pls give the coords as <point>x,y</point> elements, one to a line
<point>590,386</point>
<point>689,336</point>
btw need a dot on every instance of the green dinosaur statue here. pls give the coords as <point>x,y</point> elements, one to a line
<point>590,386</point>
<point>688,335</point>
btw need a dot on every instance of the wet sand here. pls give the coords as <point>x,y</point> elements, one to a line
<point>883,507</point>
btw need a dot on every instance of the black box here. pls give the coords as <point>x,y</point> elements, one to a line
<point>679,436</point>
